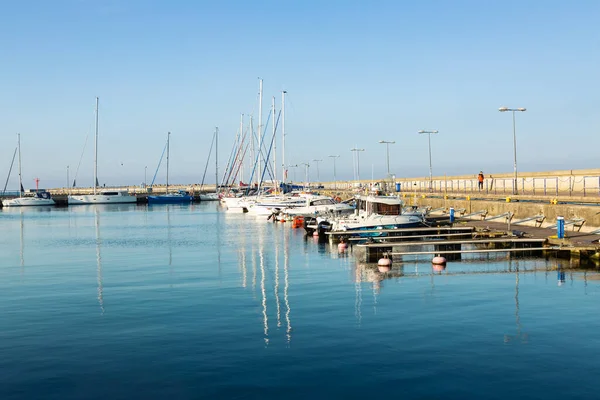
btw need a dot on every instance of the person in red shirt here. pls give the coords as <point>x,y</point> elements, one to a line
<point>480,179</point>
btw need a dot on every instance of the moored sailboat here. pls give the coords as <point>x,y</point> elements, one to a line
<point>170,198</point>
<point>105,196</point>
<point>38,199</point>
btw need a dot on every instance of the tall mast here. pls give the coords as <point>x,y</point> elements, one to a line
<point>283,136</point>
<point>168,137</point>
<point>252,148</point>
<point>96,150</point>
<point>260,95</point>
<point>274,144</point>
<point>20,177</point>
<point>240,145</point>
<point>217,160</point>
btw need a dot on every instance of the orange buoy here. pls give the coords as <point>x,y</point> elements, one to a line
<point>298,222</point>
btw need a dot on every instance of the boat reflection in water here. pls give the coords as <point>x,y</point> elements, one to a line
<point>267,277</point>
<point>99,260</point>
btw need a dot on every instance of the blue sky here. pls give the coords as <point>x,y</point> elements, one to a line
<point>355,72</point>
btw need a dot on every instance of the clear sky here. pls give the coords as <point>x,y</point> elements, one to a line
<point>355,71</point>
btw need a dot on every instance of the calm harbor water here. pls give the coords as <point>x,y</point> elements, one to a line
<point>111,302</point>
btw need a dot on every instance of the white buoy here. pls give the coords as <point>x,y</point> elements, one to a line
<point>439,267</point>
<point>438,260</point>
<point>383,268</point>
<point>315,233</point>
<point>384,263</point>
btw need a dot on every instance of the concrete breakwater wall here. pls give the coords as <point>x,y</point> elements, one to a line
<point>520,209</point>
<point>577,183</point>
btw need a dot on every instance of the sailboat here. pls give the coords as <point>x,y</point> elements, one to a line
<point>101,197</point>
<point>38,199</point>
<point>212,196</point>
<point>170,198</point>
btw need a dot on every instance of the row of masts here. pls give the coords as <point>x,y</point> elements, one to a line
<point>261,163</point>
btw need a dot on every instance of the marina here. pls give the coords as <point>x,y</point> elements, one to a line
<point>209,200</point>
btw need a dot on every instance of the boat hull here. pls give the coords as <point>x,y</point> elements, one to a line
<point>101,199</point>
<point>209,197</point>
<point>168,199</point>
<point>27,202</point>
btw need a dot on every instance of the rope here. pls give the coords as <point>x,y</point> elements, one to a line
<point>158,166</point>
<point>9,171</point>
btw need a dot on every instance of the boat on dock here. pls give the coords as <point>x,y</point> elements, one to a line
<point>38,198</point>
<point>372,213</point>
<point>318,205</point>
<point>104,196</point>
<point>178,197</point>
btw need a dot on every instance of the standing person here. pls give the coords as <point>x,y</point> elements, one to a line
<point>480,180</point>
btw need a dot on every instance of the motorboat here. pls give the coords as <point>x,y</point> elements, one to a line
<point>375,212</point>
<point>319,205</point>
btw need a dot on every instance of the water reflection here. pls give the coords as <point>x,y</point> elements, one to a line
<point>520,335</point>
<point>87,208</point>
<point>99,279</point>
<point>286,266</point>
<point>21,242</point>
<point>269,254</point>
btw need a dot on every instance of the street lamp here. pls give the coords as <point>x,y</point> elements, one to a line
<point>145,170</point>
<point>357,162</point>
<point>67,177</point>
<point>307,165</point>
<point>387,145</point>
<point>430,169</point>
<point>293,166</point>
<point>504,109</point>
<point>318,177</point>
<point>334,177</point>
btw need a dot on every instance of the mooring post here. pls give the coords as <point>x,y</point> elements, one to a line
<point>560,227</point>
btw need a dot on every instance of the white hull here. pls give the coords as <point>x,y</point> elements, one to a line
<point>102,199</point>
<point>375,221</point>
<point>209,197</point>
<point>312,210</point>
<point>27,201</point>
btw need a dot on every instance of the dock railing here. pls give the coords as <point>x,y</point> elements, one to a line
<point>583,183</point>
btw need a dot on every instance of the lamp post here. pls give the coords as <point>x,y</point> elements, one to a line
<point>318,177</point>
<point>357,151</point>
<point>307,165</point>
<point>145,170</point>
<point>387,145</point>
<point>334,177</point>
<point>67,176</point>
<point>504,109</point>
<point>293,166</point>
<point>430,168</point>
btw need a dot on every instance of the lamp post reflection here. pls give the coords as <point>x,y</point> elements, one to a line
<point>524,337</point>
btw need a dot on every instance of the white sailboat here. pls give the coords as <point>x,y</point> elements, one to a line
<point>38,199</point>
<point>101,197</point>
